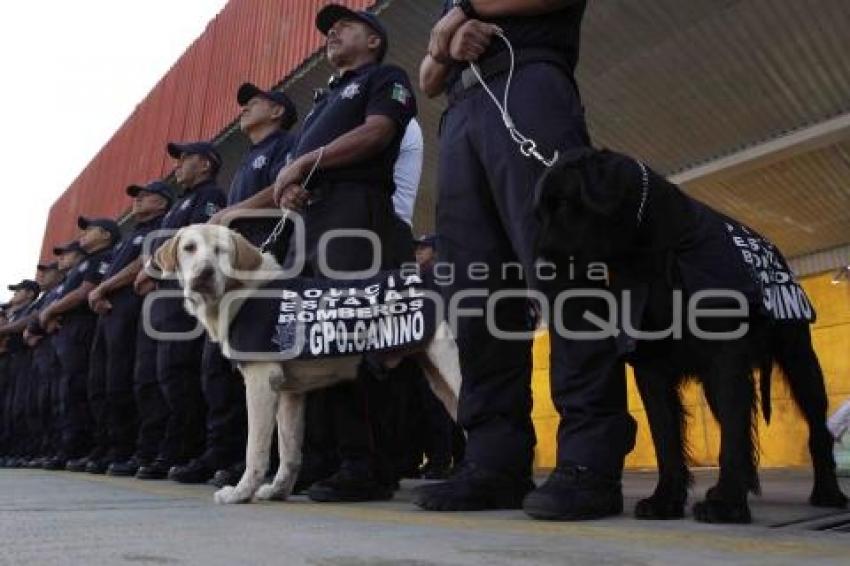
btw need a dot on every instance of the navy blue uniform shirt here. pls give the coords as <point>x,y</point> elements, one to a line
<point>195,206</point>
<point>15,342</point>
<point>45,301</point>
<point>131,246</point>
<point>91,270</point>
<point>371,90</point>
<point>257,171</point>
<point>36,305</point>
<point>559,31</point>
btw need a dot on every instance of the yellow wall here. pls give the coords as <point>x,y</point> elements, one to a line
<point>783,443</point>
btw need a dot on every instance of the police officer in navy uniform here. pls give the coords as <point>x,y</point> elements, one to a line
<point>111,391</point>
<point>359,123</point>
<point>356,126</point>
<point>44,367</point>
<point>178,365</point>
<point>45,357</point>
<point>487,184</point>
<point>266,119</point>
<point>45,364</point>
<point>14,433</point>
<point>18,436</point>
<point>72,322</point>
<point>4,385</point>
<point>152,408</point>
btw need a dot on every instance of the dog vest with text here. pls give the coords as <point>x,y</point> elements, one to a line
<point>304,319</point>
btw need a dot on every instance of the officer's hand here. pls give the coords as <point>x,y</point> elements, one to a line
<point>293,197</point>
<point>95,296</point>
<point>442,33</point>
<point>292,174</point>
<point>143,284</point>
<point>472,40</point>
<point>219,218</point>
<point>31,340</point>
<point>44,317</point>
<point>102,306</point>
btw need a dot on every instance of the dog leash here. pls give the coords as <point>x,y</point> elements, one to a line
<point>644,174</point>
<point>527,146</point>
<point>278,229</point>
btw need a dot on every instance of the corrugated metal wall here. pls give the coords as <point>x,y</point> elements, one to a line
<point>257,40</point>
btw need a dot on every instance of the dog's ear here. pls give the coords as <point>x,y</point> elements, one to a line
<point>166,256</point>
<point>605,180</point>
<point>245,256</point>
<point>561,182</point>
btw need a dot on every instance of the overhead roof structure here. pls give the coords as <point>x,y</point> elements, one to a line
<point>746,103</point>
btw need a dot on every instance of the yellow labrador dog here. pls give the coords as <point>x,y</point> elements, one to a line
<point>212,261</point>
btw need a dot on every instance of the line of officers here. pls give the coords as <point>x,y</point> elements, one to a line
<point>84,388</point>
<point>355,139</point>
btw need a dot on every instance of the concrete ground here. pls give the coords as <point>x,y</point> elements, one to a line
<point>64,518</point>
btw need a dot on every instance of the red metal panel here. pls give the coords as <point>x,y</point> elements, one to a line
<point>256,40</point>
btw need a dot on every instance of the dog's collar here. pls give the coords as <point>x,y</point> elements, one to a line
<point>644,174</point>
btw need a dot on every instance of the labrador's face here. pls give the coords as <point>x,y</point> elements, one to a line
<point>208,259</point>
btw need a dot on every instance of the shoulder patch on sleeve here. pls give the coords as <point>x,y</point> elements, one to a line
<point>401,94</point>
<point>260,162</point>
<point>211,208</point>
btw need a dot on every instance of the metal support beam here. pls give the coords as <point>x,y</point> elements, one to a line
<point>761,155</point>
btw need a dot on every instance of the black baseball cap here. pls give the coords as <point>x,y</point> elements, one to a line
<point>28,285</point>
<point>106,223</point>
<point>332,13</point>
<point>157,188</point>
<point>249,90</point>
<point>206,149</point>
<point>47,266</point>
<point>69,247</point>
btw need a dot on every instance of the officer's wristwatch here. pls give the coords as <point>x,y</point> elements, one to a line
<point>466,7</point>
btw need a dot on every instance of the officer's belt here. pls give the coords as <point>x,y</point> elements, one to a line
<point>500,63</point>
<point>329,180</point>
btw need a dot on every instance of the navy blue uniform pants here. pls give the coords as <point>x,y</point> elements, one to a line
<point>179,376</point>
<point>21,368</point>
<point>96,390</point>
<point>342,414</point>
<point>73,344</point>
<point>35,395</point>
<point>46,366</point>
<point>227,421</point>
<point>151,407</point>
<point>120,335</point>
<point>486,215</point>
<point>5,388</point>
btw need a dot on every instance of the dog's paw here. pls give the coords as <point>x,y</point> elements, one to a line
<point>229,495</point>
<point>720,511</point>
<point>272,492</point>
<point>659,508</point>
<point>828,496</point>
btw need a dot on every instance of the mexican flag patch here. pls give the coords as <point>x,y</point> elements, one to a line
<point>401,94</point>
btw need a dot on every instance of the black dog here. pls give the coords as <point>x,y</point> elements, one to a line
<point>600,206</point>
